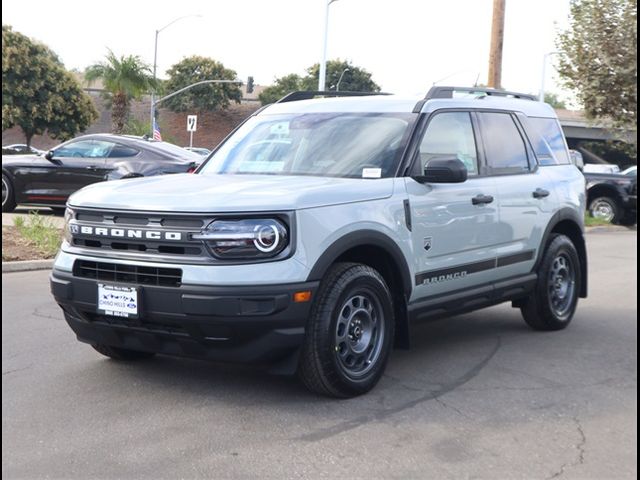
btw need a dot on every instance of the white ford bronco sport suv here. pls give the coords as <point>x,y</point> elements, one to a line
<point>316,235</point>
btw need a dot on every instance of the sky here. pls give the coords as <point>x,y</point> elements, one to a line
<point>407,45</point>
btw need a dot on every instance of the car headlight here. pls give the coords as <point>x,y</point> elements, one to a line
<point>245,239</point>
<point>68,216</point>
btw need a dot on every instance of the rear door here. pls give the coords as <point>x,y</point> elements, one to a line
<point>454,236</point>
<point>525,194</point>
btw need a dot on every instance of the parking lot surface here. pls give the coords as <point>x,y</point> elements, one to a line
<point>478,396</point>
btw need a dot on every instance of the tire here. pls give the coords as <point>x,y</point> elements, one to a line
<point>629,219</point>
<point>552,304</point>
<point>8,195</point>
<point>121,353</point>
<point>349,333</point>
<point>605,208</point>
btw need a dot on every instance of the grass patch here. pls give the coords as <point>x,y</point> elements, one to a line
<point>590,221</point>
<point>40,232</point>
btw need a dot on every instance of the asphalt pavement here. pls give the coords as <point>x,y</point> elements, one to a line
<point>478,396</point>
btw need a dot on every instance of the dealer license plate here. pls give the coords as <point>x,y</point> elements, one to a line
<point>117,301</point>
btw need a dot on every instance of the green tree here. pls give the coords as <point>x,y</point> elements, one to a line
<point>202,98</point>
<point>599,59</point>
<point>38,94</point>
<point>355,79</point>
<point>281,87</point>
<point>555,101</point>
<point>124,79</point>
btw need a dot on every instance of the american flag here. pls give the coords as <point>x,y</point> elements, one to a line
<point>156,131</point>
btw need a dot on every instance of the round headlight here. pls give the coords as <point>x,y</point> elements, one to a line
<point>267,238</point>
<point>245,238</point>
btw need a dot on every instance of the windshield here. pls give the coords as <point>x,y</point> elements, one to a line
<point>355,145</point>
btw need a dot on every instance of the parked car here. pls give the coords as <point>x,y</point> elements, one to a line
<point>199,150</point>
<point>612,197</point>
<point>630,172</point>
<point>20,149</point>
<point>322,229</point>
<point>49,179</point>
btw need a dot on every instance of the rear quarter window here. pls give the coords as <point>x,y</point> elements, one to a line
<point>548,131</point>
<point>121,151</point>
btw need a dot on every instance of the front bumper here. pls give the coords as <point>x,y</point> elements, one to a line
<point>631,203</point>
<point>235,324</point>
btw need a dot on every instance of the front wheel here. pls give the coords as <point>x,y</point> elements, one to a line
<point>552,304</point>
<point>605,208</point>
<point>349,333</point>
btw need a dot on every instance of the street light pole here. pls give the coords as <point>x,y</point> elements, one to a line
<point>544,73</point>
<point>155,63</point>
<point>323,63</point>
<point>340,79</point>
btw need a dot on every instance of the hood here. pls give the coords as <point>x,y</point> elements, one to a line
<point>229,193</point>
<point>609,176</point>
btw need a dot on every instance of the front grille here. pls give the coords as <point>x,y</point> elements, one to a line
<point>114,272</point>
<point>157,327</point>
<point>185,224</point>
<point>151,247</point>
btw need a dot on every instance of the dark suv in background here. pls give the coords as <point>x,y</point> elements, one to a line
<point>612,197</point>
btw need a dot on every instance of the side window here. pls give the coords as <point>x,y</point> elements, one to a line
<point>550,131</point>
<point>505,149</point>
<point>122,151</point>
<point>85,149</point>
<point>450,134</point>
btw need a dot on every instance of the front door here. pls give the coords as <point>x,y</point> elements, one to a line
<point>455,227</point>
<point>74,165</point>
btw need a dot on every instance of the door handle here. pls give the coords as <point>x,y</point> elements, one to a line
<point>540,193</point>
<point>91,167</point>
<point>481,199</point>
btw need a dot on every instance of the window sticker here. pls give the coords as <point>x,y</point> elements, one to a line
<point>371,172</point>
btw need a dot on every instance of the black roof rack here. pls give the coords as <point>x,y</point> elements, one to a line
<point>448,92</point>
<point>308,95</point>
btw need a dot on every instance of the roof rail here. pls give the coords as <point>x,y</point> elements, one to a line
<point>308,95</point>
<point>448,92</point>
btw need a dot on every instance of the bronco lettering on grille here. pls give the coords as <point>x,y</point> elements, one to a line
<point>124,233</point>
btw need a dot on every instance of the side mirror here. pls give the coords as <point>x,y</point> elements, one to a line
<point>576,159</point>
<point>444,170</point>
<point>49,155</point>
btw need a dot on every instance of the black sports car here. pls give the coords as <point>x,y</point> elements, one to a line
<point>49,179</point>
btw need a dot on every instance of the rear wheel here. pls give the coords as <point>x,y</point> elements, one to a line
<point>349,332</point>
<point>8,196</point>
<point>553,303</point>
<point>121,353</point>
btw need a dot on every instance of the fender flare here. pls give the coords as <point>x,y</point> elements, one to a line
<point>361,238</point>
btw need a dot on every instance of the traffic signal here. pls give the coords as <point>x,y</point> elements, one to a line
<point>250,85</point>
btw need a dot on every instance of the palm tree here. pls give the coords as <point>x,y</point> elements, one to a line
<point>124,78</point>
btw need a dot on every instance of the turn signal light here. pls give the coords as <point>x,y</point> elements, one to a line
<point>301,297</point>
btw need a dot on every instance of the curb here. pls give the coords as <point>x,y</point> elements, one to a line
<point>26,265</point>
<point>610,228</point>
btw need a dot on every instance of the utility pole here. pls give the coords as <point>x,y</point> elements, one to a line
<point>497,40</point>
